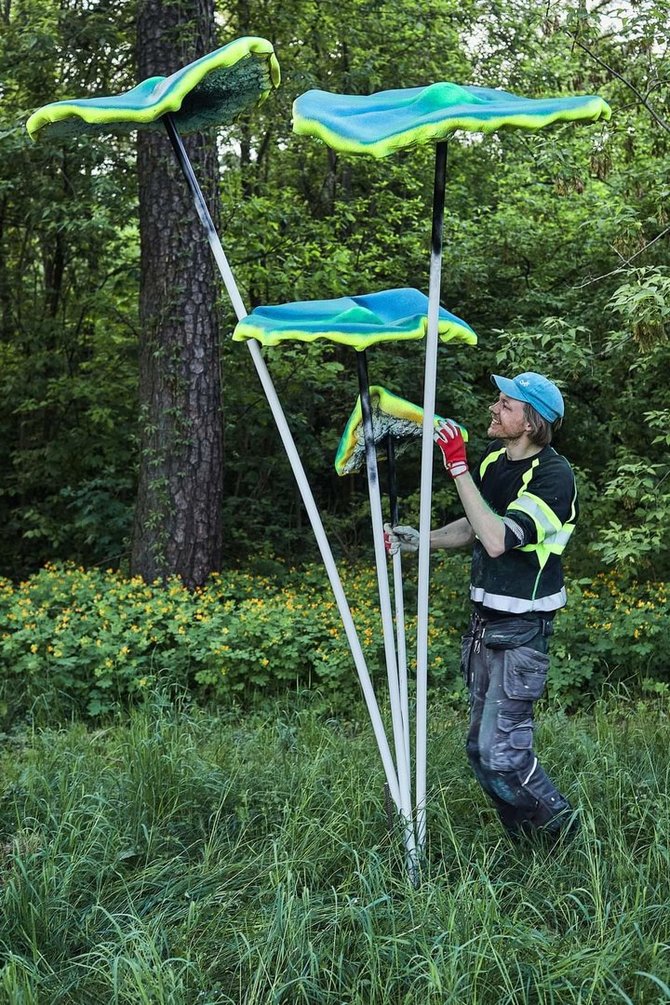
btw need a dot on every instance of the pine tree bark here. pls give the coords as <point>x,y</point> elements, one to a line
<point>177,528</point>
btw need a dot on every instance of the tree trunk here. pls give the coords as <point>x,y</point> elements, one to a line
<point>177,528</point>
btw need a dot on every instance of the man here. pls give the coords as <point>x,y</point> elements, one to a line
<point>520,509</point>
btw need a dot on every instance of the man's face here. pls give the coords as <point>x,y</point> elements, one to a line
<point>507,419</point>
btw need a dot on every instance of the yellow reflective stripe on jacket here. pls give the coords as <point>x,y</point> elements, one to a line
<point>552,535</point>
<point>527,478</point>
<point>490,459</point>
<point>544,518</point>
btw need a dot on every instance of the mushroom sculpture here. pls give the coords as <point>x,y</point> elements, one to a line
<point>363,321</point>
<point>381,124</point>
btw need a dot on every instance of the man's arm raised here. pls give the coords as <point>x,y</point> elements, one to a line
<point>484,523</point>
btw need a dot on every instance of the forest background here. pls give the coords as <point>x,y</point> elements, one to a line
<point>180,852</point>
<point>556,252</point>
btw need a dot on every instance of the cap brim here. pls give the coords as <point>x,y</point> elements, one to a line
<point>507,387</point>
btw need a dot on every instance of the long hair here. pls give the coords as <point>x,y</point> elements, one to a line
<point>541,430</point>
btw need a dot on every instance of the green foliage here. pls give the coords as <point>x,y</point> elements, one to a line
<point>556,252</point>
<point>88,642</point>
<point>634,507</point>
<point>644,304</point>
<point>181,858</point>
<point>68,251</point>
<point>552,252</point>
<point>612,629</point>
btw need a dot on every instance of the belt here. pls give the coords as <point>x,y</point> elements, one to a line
<point>508,633</point>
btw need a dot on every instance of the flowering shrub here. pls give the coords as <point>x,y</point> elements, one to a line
<point>84,640</point>
<point>611,628</point>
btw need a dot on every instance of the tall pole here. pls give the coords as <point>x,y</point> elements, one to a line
<point>294,458</point>
<point>429,382</point>
<point>401,640</point>
<point>374,492</point>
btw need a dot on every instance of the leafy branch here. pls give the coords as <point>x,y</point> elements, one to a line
<point>615,73</point>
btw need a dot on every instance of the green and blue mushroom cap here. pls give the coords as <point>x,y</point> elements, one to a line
<point>211,91</point>
<point>396,315</point>
<point>382,123</point>
<point>392,416</point>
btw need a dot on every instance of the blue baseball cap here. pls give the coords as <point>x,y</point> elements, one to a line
<point>535,389</point>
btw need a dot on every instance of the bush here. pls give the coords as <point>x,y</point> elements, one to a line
<point>83,640</point>
<point>76,640</point>
<point>611,629</point>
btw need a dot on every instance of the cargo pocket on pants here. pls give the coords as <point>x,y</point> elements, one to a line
<point>524,673</point>
<point>514,744</point>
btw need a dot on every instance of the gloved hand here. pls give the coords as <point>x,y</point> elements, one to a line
<point>450,440</point>
<point>400,539</point>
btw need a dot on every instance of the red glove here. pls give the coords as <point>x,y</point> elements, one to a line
<point>450,440</point>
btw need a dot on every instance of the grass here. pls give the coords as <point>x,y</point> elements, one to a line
<point>177,857</point>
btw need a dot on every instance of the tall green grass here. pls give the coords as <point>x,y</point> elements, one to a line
<point>186,859</point>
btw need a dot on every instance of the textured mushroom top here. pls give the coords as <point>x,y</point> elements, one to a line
<point>391,416</point>
<point>212,91</point>
<point>382,123</point>
<point>361,321</point>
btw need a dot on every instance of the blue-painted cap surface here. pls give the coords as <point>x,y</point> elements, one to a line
<point>538,391</point>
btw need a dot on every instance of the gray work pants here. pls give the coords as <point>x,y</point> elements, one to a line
<point>504,683</point>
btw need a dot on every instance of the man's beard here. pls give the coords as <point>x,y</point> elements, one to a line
<point>510,438</point>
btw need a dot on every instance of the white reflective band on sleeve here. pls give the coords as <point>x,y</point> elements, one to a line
<point>542,519</point>
<point>562,536</point>
<point>514,527</point>
<point>518,605</point>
